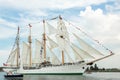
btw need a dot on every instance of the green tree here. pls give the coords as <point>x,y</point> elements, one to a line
<point>96,67</point>
<point>91,68</point>
<point>88,69</point>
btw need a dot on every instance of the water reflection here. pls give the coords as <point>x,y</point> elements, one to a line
<point>57,77</point>
<point>93,76</point>
<point>52,77</point>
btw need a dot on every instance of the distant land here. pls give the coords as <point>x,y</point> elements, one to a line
<point>1,69</point>
<point>95,68</point>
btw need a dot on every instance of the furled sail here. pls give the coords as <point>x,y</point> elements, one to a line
<point>62,35</point>
<point>86,47</point>
<point>26,54</point>
<point>38,52</point>
<point>81,53</point>
<point>12,60</point>
<point>62,30</point>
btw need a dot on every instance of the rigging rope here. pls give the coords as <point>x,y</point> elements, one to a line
<point>78,28</point>
<point>14,45</point>
<point>42,20</point>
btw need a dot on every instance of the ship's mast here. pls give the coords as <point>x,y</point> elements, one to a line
<point>62,57</point>
<point>30,42</point>
<point>18,48</point>
<point>62,50</point>
<point>44,39</point>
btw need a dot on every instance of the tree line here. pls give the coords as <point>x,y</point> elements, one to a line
<point>95,68</point>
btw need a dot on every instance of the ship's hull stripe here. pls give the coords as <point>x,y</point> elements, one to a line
<point>52,73</point>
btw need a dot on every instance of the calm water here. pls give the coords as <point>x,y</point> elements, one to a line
<point>92,76</point>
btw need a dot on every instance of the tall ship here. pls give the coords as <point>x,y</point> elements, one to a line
<point>61,50</point>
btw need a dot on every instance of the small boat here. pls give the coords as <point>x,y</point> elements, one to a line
<point>12,76</point>
<point>16,75</point>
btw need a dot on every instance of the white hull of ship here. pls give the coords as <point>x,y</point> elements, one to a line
<point>55,70</point>
<point>9,70</point>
